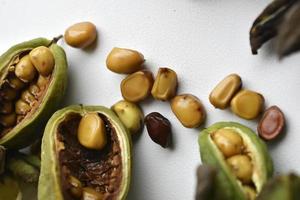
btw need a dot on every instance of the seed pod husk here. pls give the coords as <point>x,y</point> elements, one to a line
<point>288,40</point>
<point>107,171</point>
<point>28,126</point>
<point>266,24</point>
<point>228,186</point>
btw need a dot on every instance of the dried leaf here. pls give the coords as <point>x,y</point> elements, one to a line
<point>289,35</point>
<point>266,24</point>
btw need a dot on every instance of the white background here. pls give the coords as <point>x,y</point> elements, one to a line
<point>202,40</point>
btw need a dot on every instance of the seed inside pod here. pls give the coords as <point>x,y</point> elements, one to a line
<point>25,69</point>
<point>43,60</point>
<point>137,86</point>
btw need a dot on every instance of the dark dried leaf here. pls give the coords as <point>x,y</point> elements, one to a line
<point>266,24</point>
<point>289,36</point>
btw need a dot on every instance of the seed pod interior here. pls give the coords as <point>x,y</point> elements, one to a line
<point>103,172</point>
<point>228,184</point>
<point>32,105</point>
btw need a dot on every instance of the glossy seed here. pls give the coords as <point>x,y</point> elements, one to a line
<point>165,84</point>
<point>8,120</point>
<point>137,86</point>
<point>189,110</point>
<point>247,104</point>
<point>34,90</point>
<point>130,114</point>
<point>81,35</point>
<point>271,124</point>
<point>25,69</point>
<point>91,132</point>
<point>43,60</point>
<point>242,167</point>
<point>6,107</point>
<point>22,107</point>
<point>228,141</point>
<point>222,94</point>
<point>42,82</point>
<point>159,128</point>
<point>124,61</point>
<point>76,189</point>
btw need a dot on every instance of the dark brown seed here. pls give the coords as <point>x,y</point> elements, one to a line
<point>266,24</point>
<point>271,124</point>
<point>159,128</point>
<point>6,107</point>
<point>289,32</point>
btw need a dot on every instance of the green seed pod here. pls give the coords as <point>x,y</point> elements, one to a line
<point>230,184</point>
<point>106,171</point>
<point>285,187</point>
<point>28,127</point>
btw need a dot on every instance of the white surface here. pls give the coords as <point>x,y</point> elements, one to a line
<point>202,40</point>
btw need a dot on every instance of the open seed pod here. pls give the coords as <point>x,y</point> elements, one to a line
<point>33,77</point>
<point>240,157</point>
<point>74,166</point>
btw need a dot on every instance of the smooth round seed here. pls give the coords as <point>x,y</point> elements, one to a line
<point>6,107</point>
<point>137,86</point>
<point>124,61</point>
<point>28,97</point>
<point>228,141</point>
<point>165,84</point>
<point>25,69</point>
<point>42,82</point>
<point>76,189</point>
<point>91,132</point>
<point>130,114</point>
<point>81,35</point>
<point>247,104</point>
<point>222,94</point>
<point>242,167</point>
<point>43,60</point>
<point>271,124</point>
<point>34,90</point>
<point>8,120</point>
<point>189,110</point>
<point>16,83</point>
<point>22,107</point>
<point>7,93</point>
<point>89,193</point>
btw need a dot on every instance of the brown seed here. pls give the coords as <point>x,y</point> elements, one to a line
<point>22,107</point>
<point>159,128</point>
<point>222,94</point>
<point>76,189</point>
<point>81,35</point>
<point>271,124</point>
<point>43,60</point>
<point>8,120</point>
<point>16,83</point>
<point>165,84</point>
<point>34,90</point>
<point>247,104</point>
<point>25,69</point>
<point>89,193</point>
<point>124,61</point>
<point>6,107</point>
<point>137,86</point>
<point>28,97</point>
<point>7,93</point>
<point>189,110</point>
<point>42,82</point>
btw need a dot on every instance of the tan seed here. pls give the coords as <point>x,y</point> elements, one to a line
<point>42,82</point>
<point>22,107</point>
<point>222,94</point>
<point>242,167</point>
<point>137,86</point>
<point>28,97</point>
<point>89,193</point>
<point>8,120</point>
<point>16,83</point>
<point>43,60</point>
<point>189,110</point>
<point>165,84</point>
<point>124,61</point>
<point>25,69</point>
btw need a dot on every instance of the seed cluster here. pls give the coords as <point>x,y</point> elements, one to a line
<point>23,85</point>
